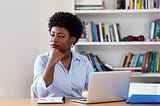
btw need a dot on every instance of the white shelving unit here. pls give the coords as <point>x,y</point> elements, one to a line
<point>132,22</point>
<point>116,11</point>
<point>150,75</point>
<point>119,43</point>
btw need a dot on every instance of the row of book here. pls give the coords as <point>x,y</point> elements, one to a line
<point>101,32</point>
<point>148,61</point>
<point>138,4</point>
<point>96,62</point>
<point>104,32</point>
<point>89,4</point>
<point>99,65</point>
<point>154,33</point>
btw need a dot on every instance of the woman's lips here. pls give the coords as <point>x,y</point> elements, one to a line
<point>53,45</point>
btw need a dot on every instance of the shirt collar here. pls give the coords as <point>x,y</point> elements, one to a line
<point>75,56</point>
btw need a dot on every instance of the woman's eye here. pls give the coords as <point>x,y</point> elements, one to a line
<point>61,36</point>
<point>52,35</point>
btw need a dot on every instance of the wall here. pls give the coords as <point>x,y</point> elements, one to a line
<point>24,34</point>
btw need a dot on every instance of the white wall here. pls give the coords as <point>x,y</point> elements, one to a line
<point>23,35</point>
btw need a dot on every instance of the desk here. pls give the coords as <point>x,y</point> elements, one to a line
<point>33,102</point>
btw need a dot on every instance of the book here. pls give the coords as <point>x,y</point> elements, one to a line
<point>144,61</point>
<point>103,66</point>
<point>157,28</point>
<point>84,30</point>
<point>158,63</point>
<point>140,60</point>
<point>51,100</point>
<point>150,61</point>
<point>93,61</point>
<point>88,32</point>
<point>133,60</point>
<point>88,2</point>
<point>151,29</point>
<point>106,32</point>
<point>93,30</point>
<point>119,4</point>
<point>119,31</point>
<point>89,7</point>
<point>143,99</point>
<point>112,33</point>
<point>115,29</point>
<point>136,60</point>
<point>100,32</point>
<point>109,36</point>
<point>103,32</point>
<point>128,59</point>
<point>127,5</point>
<point>155,58</point>
<point>97,63</point>
<point>97,32</point>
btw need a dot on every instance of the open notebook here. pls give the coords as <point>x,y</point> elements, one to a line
<point>107,87</point>
<point>51,100</point>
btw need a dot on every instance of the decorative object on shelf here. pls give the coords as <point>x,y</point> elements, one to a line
<point>133,38</point>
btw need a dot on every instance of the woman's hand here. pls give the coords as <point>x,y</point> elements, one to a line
<point>56,55</point>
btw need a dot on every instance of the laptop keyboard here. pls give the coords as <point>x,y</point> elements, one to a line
<point>83,99</point>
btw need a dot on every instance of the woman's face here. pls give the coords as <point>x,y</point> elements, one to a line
<point>61,39</point>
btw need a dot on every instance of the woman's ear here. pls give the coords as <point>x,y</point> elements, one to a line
<point>73,40</point>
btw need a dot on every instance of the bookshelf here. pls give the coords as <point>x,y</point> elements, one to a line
<point>116,11</point>
<point>120,43</point>
<point>135,22</point>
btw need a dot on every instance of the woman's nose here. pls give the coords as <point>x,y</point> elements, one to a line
<point>54,39</point>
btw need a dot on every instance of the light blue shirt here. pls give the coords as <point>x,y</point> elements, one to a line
<point>69,85</point>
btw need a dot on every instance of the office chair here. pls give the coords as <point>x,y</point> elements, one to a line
<point>32,92</point>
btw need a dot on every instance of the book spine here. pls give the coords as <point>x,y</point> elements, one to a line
<point>140,60</point>
<point>116,32</point>
<point>144,62</point>
<point>106,32</point>
<point>93,32</point>
<point>158,63</point>
<point>155,62</point>
<point>88,32</point>
<point>128,60</point>
<point>100,32</point>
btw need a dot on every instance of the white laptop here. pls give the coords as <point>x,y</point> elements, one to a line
<point>107,87</point>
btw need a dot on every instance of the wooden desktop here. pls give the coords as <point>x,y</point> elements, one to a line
<point>68,102</point>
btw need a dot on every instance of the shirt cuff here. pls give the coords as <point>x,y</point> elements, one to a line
<point>44,85</point>
<point>43,90</point>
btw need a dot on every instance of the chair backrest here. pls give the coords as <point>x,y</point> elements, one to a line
<point>32,92</point>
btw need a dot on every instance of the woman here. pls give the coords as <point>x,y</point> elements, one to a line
<point>62,72</point>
